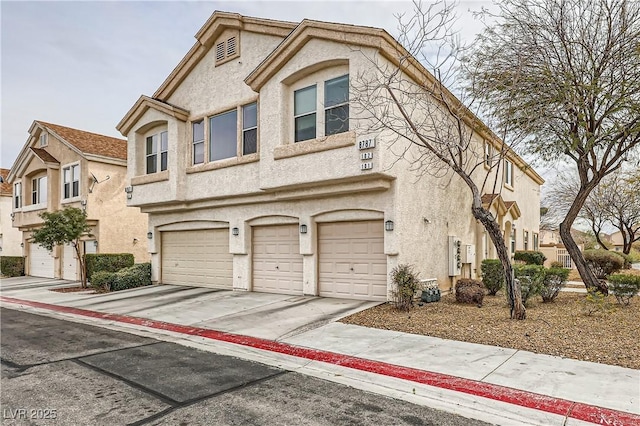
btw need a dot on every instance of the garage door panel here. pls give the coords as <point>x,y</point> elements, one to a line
<point>41,263</point>
<point>199,258</point>
<point>352,263</point>
<point>277,262</point>
<point>70,262</point>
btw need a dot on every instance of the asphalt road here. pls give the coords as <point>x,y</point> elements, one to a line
<point>57,372</point>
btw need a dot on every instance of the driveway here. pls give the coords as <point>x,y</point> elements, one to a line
<point>264,315</point>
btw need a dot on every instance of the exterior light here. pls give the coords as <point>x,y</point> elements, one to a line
<point>13,216</point>
<point>128,189</point>
<point>388,225</point>
<point>149,235</point>
<point>83,203</point>
<point>235,231</point>
<point>95,243</point>
<point>129,196</point>
<point>21,244</point>
<point>303,229</point>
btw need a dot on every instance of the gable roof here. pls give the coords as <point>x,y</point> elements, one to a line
<point>5,186</point>
<point>89,142</point>
<point>145,103</point>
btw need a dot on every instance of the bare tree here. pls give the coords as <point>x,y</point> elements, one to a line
<point>621,206</point>
<point>428,125</point>
<point>564,77</point>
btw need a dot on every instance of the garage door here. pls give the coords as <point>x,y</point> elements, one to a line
<point>277,262</point>
<point>197,258</point>
<point>352,263</point>
<point>40,262</point>
<point>69,263</point>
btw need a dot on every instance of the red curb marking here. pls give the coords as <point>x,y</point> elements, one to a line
<point>563,407</point>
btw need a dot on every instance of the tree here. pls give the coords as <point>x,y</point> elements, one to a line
<point>563,76</point>
<point>428,125</point>
<point>61,227</point>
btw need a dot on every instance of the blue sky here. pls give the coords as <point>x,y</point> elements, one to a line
<point>84,64</point>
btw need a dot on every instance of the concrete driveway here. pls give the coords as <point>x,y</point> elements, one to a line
<point>265,315</point>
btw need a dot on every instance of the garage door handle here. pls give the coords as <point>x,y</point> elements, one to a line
<point>277,267</point>
<point>352,269</point>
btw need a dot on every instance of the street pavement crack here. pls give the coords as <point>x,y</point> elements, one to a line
<point>498,366</point>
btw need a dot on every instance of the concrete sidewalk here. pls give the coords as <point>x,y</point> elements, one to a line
<point>498,385</point>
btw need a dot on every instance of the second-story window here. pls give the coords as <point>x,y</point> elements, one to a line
<point>39,190</point>
<point>71,181</point>
<point>508,172</point>
<point>536,241</point>
<point>157,152</point>
<point>336,105</point>
<point>250,129</point>
<point>513,240</point>
<point>223,135</point>
<point>525,240</point>
<point>488,153</point>
<point>43,140</point>
<point>304,113</point>
<point>198,142</point>
<point>17,195</point>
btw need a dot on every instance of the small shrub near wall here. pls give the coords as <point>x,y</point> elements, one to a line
<point>628,260</point>
<point>12,266</point>
<point>624,287</point>
<point>531,279</point>
<point>470,291</point>
<point>138,275</point>
<point>109,262</point>
<point>530,257</point>
<point>102,280</point>
<point>405,283</point>
<point>603,262</point>
<point>492,275</point>
<point>554,280</point>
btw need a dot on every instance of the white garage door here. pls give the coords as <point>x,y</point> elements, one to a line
<point>41,263</point>
<point>352,263</point>
<point>277,262</point>
<point>197,258</point>
<point>69,263</point>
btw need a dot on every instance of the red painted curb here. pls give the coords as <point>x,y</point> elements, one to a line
<point>563,407</point>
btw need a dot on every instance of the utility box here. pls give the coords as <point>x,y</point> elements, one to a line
<point>468,253</point>
<point>455,256</point>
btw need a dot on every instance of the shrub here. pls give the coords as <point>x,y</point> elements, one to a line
<point>12,266</point>
<point>624,287</point>
<point>102,280</point>
<point>492,275</point>
<point>603,262</point>
<point>530,257</point>
<point>556,264</point>
<point>138,275</point>
<point>406,282</point>
<point>596,302</point>
<point>554,280</point>
<point>628,260</point>
<point>530,278</point>
<point>110,262</point>
<point>470,291</point>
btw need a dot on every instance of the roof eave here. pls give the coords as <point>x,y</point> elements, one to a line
<point>141,106</point>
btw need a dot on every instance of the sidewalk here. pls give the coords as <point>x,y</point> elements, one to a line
<point>497,385</point>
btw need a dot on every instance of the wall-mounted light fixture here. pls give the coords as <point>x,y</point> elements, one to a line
<point>135,241</point>
<point>425,220</point>
<point>21,244</point>
<point>83,203</point>
<point>129,196</point>
<point>95,243</point>
<point>235,231</point>
<point>13,216</point>
<point>149,235</point>
<point>388,225</point>
<point>303,229</point>
<point>128,189</point>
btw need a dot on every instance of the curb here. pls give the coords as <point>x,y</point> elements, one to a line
<point>548,404</point>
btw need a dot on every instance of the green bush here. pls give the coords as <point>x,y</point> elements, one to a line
<point>138,275</point>
<point>556,264</point>
<point>554,280</point>
<point>628,260</point>
<point>624,287</point>
<point>492,275</point>
<point>531,278</point>
<point>102,280</point>
<point>603,262</point>
<point>12,266</point>
<point>406,283</point>
<point>110,262</point>
<point>530,257</point>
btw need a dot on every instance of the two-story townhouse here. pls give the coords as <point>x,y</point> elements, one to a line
<point>10,237</point>
<point>258,176</point>
<point>62,167</point>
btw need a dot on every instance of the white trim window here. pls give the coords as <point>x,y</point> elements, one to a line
<point>39,190</point>
<point>198,141</point>
<point>336,105</point>
<point>304,113</point>
<point>525,240</point>
<point>71,181</point>
<point>488,154</point>
<point>43,139</point>
<point>250,128</point>
<point>536,241</point>
<point>223,135</point>
<point>157,152</point>
<point>513,241</point>
<point>17,195</point>
<point>508,173</point>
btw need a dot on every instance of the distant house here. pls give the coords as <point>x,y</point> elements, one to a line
<point>10,237</point>
<point>617,242</point>
<point>258,176</point>
<point>60,166</point>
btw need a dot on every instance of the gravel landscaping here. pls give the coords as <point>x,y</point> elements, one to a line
<point>561,328</point>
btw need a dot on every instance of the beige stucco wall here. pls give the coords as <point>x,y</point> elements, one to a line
<point>11,237</point>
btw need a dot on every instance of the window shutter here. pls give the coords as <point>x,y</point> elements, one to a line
<point>231,46</point>
<point>220,51</point>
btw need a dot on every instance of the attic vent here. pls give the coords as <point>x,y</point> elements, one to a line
<point>231,46</point>
<point>220,51</point>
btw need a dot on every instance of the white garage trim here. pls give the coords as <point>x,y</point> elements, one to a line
<point>277,262</point>
<point>41,263</point>
<point>196,258</point>
<point>351,260</point>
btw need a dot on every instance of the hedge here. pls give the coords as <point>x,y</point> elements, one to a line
<point>530,257</point>
<point>624,287</point>
<point>492,275</point>
<point>603,262</point>
<point>12,266</point>
<point>109,262</point>
<point>138,275</point>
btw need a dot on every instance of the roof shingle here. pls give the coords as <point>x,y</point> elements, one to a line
<point>44,155</point>
<point>90,143</point>
<point>5,188</point>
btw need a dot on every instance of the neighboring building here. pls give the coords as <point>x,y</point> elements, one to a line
<point>255,176</point>
<point>617,241</point>
<point>59,167</point>
<point>10,237</point>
